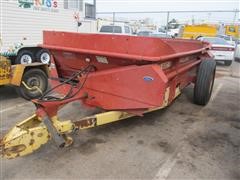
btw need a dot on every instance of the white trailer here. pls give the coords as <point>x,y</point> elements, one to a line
<point>23,21</point>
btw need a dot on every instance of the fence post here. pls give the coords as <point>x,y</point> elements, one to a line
<point>113,18</point>
<point>167,22</point>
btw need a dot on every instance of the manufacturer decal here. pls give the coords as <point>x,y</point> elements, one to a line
<point>69,55</point>
<point>148,78</point>
<point>102,59</point>
<point>166,65</point>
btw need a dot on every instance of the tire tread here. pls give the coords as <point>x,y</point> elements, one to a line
<point>205,74</point>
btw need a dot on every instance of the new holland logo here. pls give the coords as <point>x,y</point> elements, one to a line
<point>148,78</point>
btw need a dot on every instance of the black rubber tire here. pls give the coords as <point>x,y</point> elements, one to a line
<point>204,82</point>
<point>227,63</point>
<point>39,54</point>
<point>198,37</point>
<point>22,53</point>
<point>237,59</point>
<point>31,77</point>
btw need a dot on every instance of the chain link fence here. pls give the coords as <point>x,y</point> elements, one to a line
<point>156,20</point>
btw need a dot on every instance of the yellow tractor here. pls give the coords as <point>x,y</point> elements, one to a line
<point>30,80</point>
<point>195,31</point>
<point>233,30</point>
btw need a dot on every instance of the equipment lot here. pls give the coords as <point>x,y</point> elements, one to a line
<point>182,141</point>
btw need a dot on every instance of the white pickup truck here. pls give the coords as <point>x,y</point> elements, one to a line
<point>116,29</point>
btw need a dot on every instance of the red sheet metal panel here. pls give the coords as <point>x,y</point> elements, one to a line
<point>131,73</point>
<point>129,87</point>
<point>121,46</point>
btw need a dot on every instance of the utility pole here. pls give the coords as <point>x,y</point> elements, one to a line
<point>193,21</point>
<point>209,15</point>
<point>235,15</point>
<point>167,22</point>
<point>95,8</point>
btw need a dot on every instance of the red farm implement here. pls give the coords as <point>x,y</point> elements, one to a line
<point>124,76</point>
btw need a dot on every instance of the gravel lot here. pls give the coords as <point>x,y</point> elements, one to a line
<point>182,141</point>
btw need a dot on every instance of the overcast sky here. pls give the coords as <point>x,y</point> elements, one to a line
<point>171,5</point>
<point>158,5</point>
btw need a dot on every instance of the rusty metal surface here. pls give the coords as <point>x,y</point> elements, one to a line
<point>5,71</point>
<point>86,122</point>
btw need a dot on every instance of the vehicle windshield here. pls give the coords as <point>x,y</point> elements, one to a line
<point>227,38</point>
<point>216,41</point>
<point>144,33</point>
<point>160,35</point>
<point>111,29</point>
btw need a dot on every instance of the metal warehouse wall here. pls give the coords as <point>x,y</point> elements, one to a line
<point>25,25</point>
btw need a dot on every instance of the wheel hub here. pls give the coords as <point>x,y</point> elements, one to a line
<point>33,81</point>
<point>45,58</point>
<point>26,59</point>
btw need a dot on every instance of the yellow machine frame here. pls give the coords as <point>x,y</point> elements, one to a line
<point>5,71</point>
<point>33,132</point>
<point>12,74</point>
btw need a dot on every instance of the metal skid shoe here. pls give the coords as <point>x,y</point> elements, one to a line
<point>24,138</point>
<point>33,132</point>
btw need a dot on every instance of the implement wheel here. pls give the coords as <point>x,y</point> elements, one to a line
<point>227,63</point>
<point>43,56</point>
<point>24,57</point>
<point>34,83</point>
<point>204,83</point>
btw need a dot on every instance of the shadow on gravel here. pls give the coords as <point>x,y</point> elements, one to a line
<point>7,93</point>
